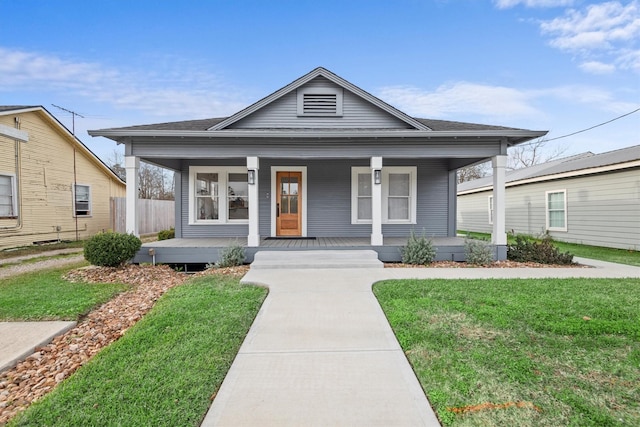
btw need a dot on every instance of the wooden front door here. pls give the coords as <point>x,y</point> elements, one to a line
<point>289,204</point>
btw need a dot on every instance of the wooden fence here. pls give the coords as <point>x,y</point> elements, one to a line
<point>154,215</point>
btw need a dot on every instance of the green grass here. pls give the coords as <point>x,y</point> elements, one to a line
<point>162,372</point>
<point>621,256</point>
<point>498,341</point>
<point>45,295</point>
<point>36,249</point>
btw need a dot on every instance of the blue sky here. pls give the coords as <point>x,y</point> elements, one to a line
<point>557,65</point>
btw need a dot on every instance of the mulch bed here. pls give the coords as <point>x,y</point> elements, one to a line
<point>495,264</point>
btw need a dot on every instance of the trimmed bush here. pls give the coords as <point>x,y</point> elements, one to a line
<point>111,249</point>
<point>231,256</point>
<point>167,234</point>
<point>419,250</point>
<point>478,252</point>
<point>526,249</point>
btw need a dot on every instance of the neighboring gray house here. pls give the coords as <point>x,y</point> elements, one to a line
<point>319,163</point>
<point>592,199</point>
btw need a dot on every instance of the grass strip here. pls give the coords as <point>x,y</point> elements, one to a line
<point>37,249</point>
<point>622,256</point>
<point>164,371</point>
<point>522,352</point>
<point>45,295</point>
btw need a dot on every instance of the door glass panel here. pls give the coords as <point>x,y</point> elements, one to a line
<point>284,205</point>
<point>284,185</point>
<point>293,185</point>
<point>293,200</point>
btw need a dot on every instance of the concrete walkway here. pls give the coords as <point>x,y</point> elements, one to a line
<point>321,352</point>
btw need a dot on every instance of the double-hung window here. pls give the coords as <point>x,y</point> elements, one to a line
<point>82,200</point>
<point>556,207</point>
<point>8,206</point>
<point>399,195</point>
<point>218,195</point>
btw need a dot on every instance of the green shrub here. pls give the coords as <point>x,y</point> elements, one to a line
<point>111,249</point>
<point>526,249</point>
<point>167,234</point>
<point>478,252</point>
<point>231,256</point>
<point>419,250</point>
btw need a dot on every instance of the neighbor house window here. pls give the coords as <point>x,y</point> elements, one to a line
<point>490,209</point>
<point>319,101</point>
<point>556,203</point>
<point>218,195</point>
<point>8,207</point>
<point>398,195</point>
<point>82,200</point>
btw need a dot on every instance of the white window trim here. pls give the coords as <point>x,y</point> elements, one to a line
<point>223,212</point>
<point>490,209</point>
<point>73,200</point>
<point>546,210</point>
<point>274,195</point>
<point>320,91</point>
<point>413,196</point>
<point>14,195</point>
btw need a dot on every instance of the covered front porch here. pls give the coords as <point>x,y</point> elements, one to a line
<point>207,250</point>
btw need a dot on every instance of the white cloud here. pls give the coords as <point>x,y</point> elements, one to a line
<point>172,93</point>
<point>506,4</point>
<point>461,98</point>
<point>605,33</point>
<point>596,67</point>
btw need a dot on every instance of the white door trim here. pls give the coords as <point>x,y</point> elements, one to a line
<point>274,170</point>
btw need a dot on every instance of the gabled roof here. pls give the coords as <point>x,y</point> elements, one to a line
<point>17,109</point>
<point>580,164</point>
<point>320,72</point>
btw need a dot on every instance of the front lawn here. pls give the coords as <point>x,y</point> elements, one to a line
<point>554,352</point>
<point>165,370</point>
<point>45,295</point>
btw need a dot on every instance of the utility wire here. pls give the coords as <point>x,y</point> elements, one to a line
<point>587,129</point>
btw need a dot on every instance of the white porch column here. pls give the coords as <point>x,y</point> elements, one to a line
<point>253,239</point>
<point>376,202</point>
<point>499,236</point>
<point>132,166</point>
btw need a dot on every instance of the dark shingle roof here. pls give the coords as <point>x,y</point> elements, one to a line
<point>204,124</point>
<point>16,107</point>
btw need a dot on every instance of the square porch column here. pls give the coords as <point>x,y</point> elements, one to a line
<point>132,167</point>
<point>253,239</point>
<point>376,202</point>
<point>499,236</point>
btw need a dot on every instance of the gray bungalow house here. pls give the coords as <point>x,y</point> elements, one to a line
<point>317,164</point>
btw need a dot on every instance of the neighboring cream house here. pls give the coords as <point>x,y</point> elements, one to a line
<point>52,187</point>
<point>591,199</point>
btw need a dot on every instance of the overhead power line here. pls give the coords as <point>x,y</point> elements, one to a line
<point>589,128</point>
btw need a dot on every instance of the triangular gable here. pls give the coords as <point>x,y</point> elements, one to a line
<point>291,89</point>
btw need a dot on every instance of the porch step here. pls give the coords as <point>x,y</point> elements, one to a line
<point>316,259</point>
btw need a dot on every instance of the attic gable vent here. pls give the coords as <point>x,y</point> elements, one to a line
<point>320,102</point>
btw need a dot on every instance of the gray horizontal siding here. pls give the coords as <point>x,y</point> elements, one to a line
<point>329,199</point>
<point>602,209</point>
<point>283,113</point>
<point>298,147</point>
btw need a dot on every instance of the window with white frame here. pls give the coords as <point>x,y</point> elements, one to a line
<point>490,209</point>
<point>399,195</point>
<point>556,207</point>
<point>8,206</point>
<point>82,200</point>
<point>218,195</point>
